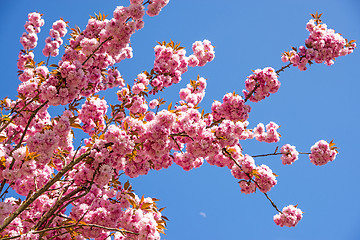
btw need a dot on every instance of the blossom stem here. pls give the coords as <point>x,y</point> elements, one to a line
<point>273,154</point>
<point>92,54</point>
<point>226,152</point>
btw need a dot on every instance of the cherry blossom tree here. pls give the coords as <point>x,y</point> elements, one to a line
<point>77,192</point>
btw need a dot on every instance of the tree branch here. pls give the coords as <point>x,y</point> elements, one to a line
<point>92,54</point>
<point>37,194</point>
<point>75,225</point>
<point>225,152</point>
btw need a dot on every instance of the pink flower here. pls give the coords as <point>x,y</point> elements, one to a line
<point>322,46</point>
<point>153,103</point>
<point>271,135</point>
<point>233,108</point>
<point>290,154</point>
<point>289,217</point>
<point>322,152</point>
<point>265,81</point>
<point>265,178</point>
<point>247,187</point>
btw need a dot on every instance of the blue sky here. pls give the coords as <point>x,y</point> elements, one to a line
<point>320,103</point>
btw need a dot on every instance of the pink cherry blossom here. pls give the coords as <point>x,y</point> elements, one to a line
<point>322,153</point>
<point>289,217</point>
<point>289,154</point>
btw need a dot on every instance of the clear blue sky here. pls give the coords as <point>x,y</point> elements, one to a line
<point>321,103</point>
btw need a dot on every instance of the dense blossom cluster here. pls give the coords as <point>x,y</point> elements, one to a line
<point>233,108</point>
<point>169,65</point>
<point>92,114</point>
<point>289,217</point>
<point>322,153</point>
<point>289,154</point>
<point>171,62</point>
<point>102,44</point>
<point>154,7</point>
<point>261,83</point>
<point>32,26</point>
<point>322,45</point>
<point>270,135</point>
<point>265,178</point>
<point>203,53</point>
<point>254,176</point>
<point>55,40</point>
<point>194,93</point>
<point>81,186</point>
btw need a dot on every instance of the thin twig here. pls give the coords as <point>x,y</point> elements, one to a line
<point>18,112</point>
<point>57,204</point>
<point>216,123</point>
<point>176,143</point>
<point>182,134</point>
<point>70,197</point>
<point>2,195</point>
<point>226,152</point>
<point>33,114</point>
<point>257,85</point>
<point>283,68</point>
<point>273,154</point>
<point>92,54</point>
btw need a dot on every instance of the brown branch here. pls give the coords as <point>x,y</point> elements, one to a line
<point>57,204</point>
<point>18,112</point>
<point>62,233</point>
<point>225,152</point>
<point>273,154</point>
<point>2,185</point>
<point>75,225</point>
<point>70,200</point>
<point>37,194</point>
<point>70,197</point>
<point>2,195</point>
<point>92,54</point>
<point>176,143</point>
<point>257,85</point>
<point>265,155</point>
<point>33,114</point>
<point>283,68</point>
<point>182,134</point>
<point>216,122</point>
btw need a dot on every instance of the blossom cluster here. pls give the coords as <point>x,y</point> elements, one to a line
<point>55,40</point>
<point>171,62</point>
<point>289,154</point>
<point>92,51</point>
<point>203,53</point>
<point>92,114</point>
<point>270,135</point>
<point>322,45</point>
<point>289,217</point>
<point>32,26</point>
<point>322,153</point>
<point>154,7</point>
<point>233,108</point>
<point>254,176</point>
<point>261,83</point>
<point>195,92</point>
